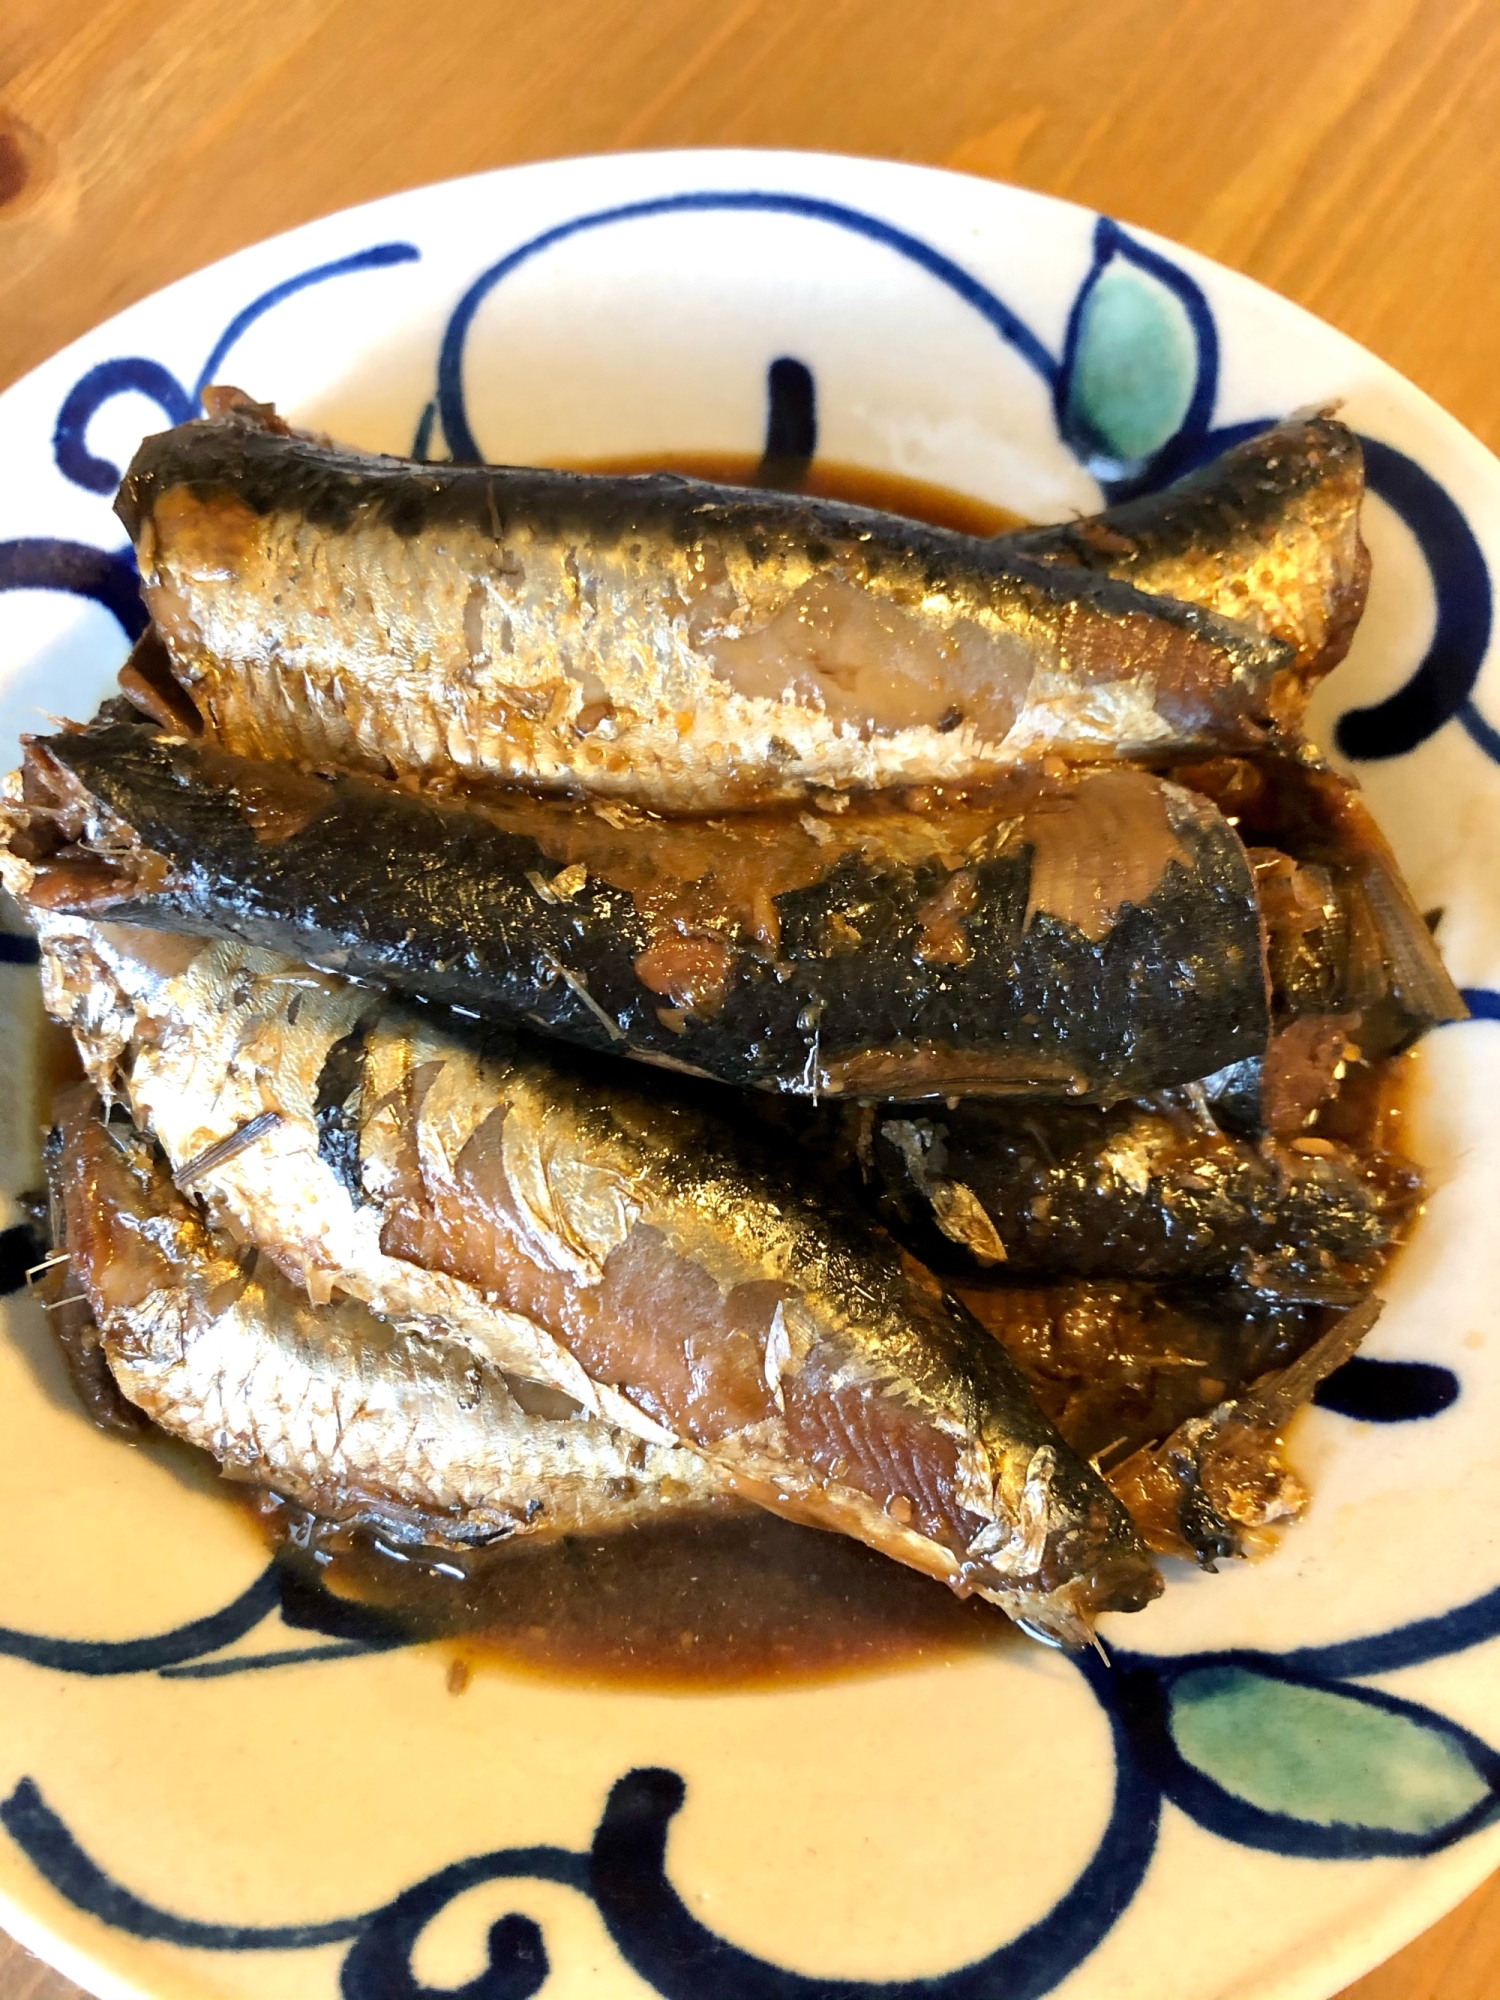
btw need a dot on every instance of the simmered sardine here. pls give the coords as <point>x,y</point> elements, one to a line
<point>1182,1394</point>
<point>1138,1192</point>
<point>1268,533</point>
<point>330,1406</point>
<point>619,1246</point>
<point>660,639</point>
<point>1094,933</point>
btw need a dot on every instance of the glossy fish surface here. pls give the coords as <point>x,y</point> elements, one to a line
<point>665,640</point>
<point>609,1242</point>
<point>1268,533</point>
<point>1094,933</point>
<point>1181,1393</point>
<point>327,1405</point>
<point>1148,1192</point>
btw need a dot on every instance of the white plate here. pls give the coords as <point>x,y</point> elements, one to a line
<point>1288,1773</point>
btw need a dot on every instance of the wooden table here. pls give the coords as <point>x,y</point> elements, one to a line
<point>1335,149</point>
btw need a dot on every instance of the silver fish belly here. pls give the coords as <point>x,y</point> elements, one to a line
<point>329,1406</point>
<point>617,1246</point>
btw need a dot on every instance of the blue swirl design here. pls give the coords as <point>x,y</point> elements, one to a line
<point>18,1252</point>
<point>625,1874</point>
<point>1378,1774</point>
<point>108,576</point>
<point>1142,1689</point>
<point>99,1657</point>
<point>451,405</point>
<point>136,374</point>
<point>185,1652</point>
<point>1189,442</point>
<point>1387,1392</point>
<point>130,374</point>
<point>1443,683</point>
<point>791,422</point>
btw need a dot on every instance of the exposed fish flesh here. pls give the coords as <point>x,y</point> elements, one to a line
<point>685,645</point>
<point>1146,1192</point>
<point>1094,933</point>
<point>339,1411</point>
<point>625,1249</point>
<point>1267,533</point>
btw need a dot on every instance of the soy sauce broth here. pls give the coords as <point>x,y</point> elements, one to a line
<point>736,1599</point>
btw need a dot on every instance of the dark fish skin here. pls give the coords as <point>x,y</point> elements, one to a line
<point>327,1405</point>
<point>1230,1188</point>
<point>656,638</point>
<point>676,1280</point>
<point>72,1324</point>
<point>1095,934</point>
<point>1268,533</point>
<point>1159,1193</point>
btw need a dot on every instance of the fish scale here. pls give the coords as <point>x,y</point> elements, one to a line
<point>1268,533</point>
<point>1095,934</point>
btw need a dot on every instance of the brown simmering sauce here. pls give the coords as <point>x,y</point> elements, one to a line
<point>1100,838</point>
<point>738,1599</point>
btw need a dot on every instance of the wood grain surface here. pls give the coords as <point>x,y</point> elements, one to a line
<point>1335,149</point>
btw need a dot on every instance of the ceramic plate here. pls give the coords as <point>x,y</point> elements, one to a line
<point>214,1787</point>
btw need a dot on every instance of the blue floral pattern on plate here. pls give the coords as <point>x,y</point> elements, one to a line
<point>1292,1752</point>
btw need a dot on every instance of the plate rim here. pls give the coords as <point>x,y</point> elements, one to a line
<point>1426,1891</point>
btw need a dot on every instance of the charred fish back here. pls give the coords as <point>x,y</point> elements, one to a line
<point>1093,934</point>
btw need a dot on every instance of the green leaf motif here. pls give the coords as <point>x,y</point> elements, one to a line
<point>1318,1755</point>
<point>1134,365</point>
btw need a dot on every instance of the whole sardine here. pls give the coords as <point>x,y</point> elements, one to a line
<point>685,645</point>
<point>1133,1192</point>
<point>1094,933</point>
<point>335,1409</point>
<point>625,1249</point>
<point>1268,533</point>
